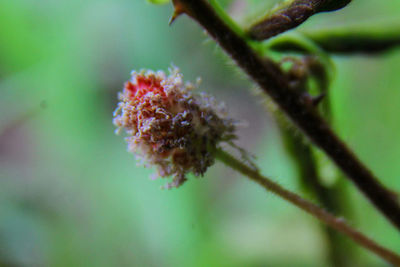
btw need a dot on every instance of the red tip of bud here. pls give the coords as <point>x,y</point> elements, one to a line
<point>169,126</point>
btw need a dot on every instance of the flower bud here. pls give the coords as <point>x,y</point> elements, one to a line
<point>169,126</point>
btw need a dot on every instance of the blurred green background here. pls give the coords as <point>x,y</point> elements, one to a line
<point>70,194</point>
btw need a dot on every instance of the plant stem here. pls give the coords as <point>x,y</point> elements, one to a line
<point>292,16</point>
<point>330,198</point>
<point>338,224</point>
<point>343,41</point>
<point>306,163</point>
<point>274,82</point>
<point>369,40</point>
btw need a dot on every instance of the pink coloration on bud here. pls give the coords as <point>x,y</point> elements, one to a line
<point>169,126</point>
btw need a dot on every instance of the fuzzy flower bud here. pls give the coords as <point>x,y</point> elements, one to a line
<point>169,126</point>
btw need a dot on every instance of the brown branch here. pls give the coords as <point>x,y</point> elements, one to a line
<point>292,16</point>
<point>338,224</point>
<point>306,163</point>
<point>274,82</point>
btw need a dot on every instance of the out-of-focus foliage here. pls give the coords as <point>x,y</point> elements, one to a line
<point>70,194</point>
<point>158,2</point>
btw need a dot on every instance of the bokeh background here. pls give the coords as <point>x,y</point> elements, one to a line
<point>70,194</point>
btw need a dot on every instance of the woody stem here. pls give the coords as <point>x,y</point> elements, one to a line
<point>273,81</point>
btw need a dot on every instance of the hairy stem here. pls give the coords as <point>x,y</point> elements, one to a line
<point>292,16</point>
<point>338,224</point>
<point>274,82</point>
<point>305,160</point>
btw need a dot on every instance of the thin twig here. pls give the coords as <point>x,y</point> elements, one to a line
<point>292,16</point>
<point>352,40</point>
<point>330,198</point>
<point>348,41</point>
<point>274,82</point>
<point>338,224</point>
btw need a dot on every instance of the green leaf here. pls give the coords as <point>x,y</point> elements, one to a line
<point>158,2</point>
